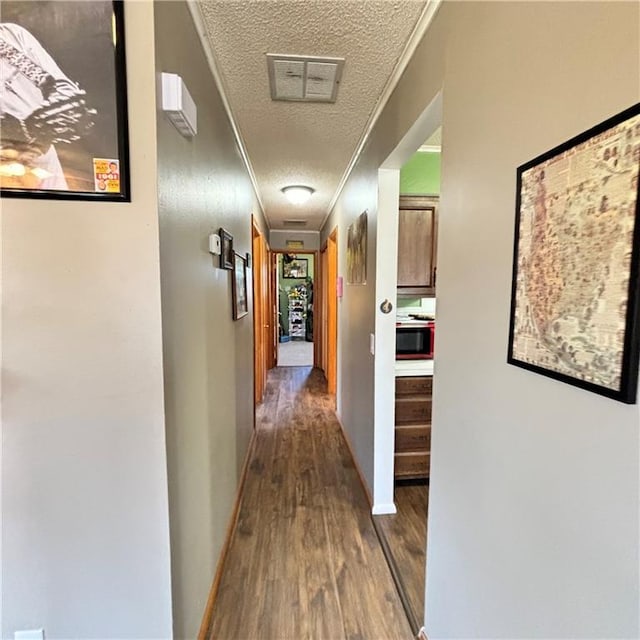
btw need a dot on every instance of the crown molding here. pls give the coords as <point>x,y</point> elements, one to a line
<point>196,14</point>
<point>424,21</point>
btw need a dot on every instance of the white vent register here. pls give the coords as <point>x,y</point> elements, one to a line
<point>304,78</point>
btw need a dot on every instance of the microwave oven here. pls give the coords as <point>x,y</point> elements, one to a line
<point>414,341</point>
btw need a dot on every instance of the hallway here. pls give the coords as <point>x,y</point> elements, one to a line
<point>305,561</point>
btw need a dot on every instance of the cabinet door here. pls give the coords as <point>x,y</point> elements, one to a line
<point>416,247</point>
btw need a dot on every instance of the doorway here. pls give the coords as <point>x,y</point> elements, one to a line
<point>295,287</point>
<point>407,230</point>
<point>328,306</point>
<point>263,356</point>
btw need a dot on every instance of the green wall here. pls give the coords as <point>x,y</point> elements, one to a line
<point>421,174</point>
<point>285,284</point>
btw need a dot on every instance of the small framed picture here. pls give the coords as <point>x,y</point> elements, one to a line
<point>226,253</point>
<point>295,268</point>
<point>239,288</point>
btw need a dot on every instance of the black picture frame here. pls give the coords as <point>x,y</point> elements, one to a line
<point>296,269</point>
<point>80,45</point>
<point>240,298</point>
<point>226,249</point>
<point>576,261</point>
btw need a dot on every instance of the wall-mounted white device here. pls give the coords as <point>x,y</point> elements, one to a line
<point>214,244</point>
<point>178,104</point>
<point>30,634</point>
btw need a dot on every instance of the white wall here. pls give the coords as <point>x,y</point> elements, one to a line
<point>85,531</point>
<point>208,357</point>
<point>385,342</point>
<point>533,522</point>
<point>356,319</point>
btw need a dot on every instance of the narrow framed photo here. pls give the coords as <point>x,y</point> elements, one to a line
<point>226,249</point>
<point>576,277</point>
<point>239,289</point>
<point>357,250</point>
<point>63,109</point>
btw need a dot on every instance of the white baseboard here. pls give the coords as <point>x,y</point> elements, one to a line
<point>383,509</point>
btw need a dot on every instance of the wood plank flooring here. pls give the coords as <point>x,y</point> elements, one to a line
<point>305,561</point>
<point>405,537</point>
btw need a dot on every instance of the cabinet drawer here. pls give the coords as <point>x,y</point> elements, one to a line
<point>413,410</point>
<point>411,465</point>
<point>413,437</point>
<point>419,385</point>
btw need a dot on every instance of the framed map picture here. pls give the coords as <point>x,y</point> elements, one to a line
<point>64,100</point>
<point>574,306</point>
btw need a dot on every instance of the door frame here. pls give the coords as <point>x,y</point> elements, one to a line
<point>386,287</point>
<point>316,279</point>
<point>262,296</point>
<point>329,300</point>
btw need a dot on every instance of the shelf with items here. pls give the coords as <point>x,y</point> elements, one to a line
<point>297,312</point>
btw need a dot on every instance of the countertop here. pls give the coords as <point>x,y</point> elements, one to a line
<point>407,368</point>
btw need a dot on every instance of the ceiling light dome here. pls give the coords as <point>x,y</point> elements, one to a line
<point>297,194</point>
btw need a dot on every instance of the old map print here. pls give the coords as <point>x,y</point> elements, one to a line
<point>575,238</point>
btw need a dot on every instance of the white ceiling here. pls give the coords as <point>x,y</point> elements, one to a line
<point>298,142</point>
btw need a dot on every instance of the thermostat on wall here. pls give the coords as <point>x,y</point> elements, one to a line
<point>214,244</point>
<point>178,104</point>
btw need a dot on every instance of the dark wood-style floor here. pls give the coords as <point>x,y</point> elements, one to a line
<point>405,535</point>
<point>305,560</point>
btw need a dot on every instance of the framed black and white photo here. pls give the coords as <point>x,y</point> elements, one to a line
<point>239,289</point>
<point>63,108</point>
<point>576,265</point>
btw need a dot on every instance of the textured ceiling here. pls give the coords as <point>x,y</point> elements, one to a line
<point>305,143</point>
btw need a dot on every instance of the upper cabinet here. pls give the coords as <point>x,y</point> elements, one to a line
<point>417,249</point>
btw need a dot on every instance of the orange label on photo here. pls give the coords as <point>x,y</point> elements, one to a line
<point>106,175</point>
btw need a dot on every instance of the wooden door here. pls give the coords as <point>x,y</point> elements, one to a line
<point>274,329</point>
<point>417,230</point>
<point>322,309</point>
<point>263,358</point>
<point>332,312</point>
<point>318,311</point>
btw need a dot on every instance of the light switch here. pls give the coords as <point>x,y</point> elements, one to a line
<point>372,343</point>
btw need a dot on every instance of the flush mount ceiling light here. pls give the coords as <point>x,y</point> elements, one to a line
<point>297,194</point>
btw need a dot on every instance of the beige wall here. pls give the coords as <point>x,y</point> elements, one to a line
<point>533,522</point>
<point>85,531</point>
<point>208,357</point>
<point>278,239</point>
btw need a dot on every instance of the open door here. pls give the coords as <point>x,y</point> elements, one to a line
<point>331,316</point>
<point>263,358</point>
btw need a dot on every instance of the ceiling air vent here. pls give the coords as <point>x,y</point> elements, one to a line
<point>304,78</point>
<point>295,223</point>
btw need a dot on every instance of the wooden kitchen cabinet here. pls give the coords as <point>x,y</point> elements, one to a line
<point>417,245</point>
<point>413,427</point>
